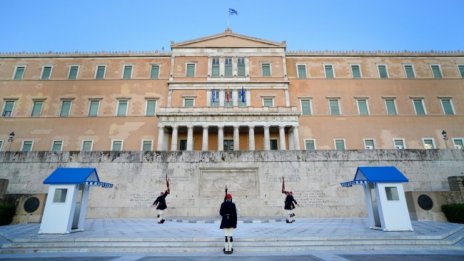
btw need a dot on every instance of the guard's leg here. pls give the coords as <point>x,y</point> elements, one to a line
<point>160,216</point>
<point>226,244</point>
<point>231,240</point>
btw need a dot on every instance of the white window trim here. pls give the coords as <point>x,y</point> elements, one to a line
<point>339,106</point>
<point>91,145</point>
<point>325,73</point>
<point>434,146</point>
<point>360,70</point>
<point>43,69</point>
<point>443,107</point>
<point>367,106</point>
<point>77,73</point>
<point>96,71</point>
<point>194,69</point>
<point>268,97</point>
<point>159,70</point>
<point>270,69</point>
<point>394,104</point>
<point>41,107</point>
<point>131,73</point>
<point>53,143</point>
<point>314,140</point>
<point>117,107</point>
<point>310,105</point>
<point>402,139</point>
<point>439,68</point>
<point>61,106</point>
<point>16,69</point>
<point>141,144</point>
<point>146,106</point>
<point>188,97</point>
<point>24,141</point>
<point>298,71</point>
<point>459,72</point>
<point>386,69</point>
<point>90,106</point>
<point>423,105</point>
<point>413,70</point>
<point>335,143</point>
<point>365,145</point>
<point>454,143</point>
<point>12,109</point>
<point>122,144</point>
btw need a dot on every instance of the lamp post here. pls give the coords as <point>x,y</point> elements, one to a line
<point>445,138</point>
<point>10,140</point>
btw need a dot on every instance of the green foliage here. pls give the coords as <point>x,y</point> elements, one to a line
<point>454,212</point>
<point>7,212</point>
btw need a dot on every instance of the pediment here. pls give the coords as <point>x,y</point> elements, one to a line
<point>228,39</point>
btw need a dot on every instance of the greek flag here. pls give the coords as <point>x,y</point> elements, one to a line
<point>214,95</point>
<point>232,11</point>
<point>242,94</point>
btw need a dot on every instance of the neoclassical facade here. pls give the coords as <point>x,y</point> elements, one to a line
<point>231,92</point>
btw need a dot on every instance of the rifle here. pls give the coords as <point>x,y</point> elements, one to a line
<point>225,194</point>
<point>167,182</point>
<point>283,185</point>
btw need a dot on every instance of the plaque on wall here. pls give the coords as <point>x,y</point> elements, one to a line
<point>425,202</point>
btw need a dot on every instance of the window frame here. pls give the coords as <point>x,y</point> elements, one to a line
<point>338,106</point>
<point>359,108</point>
<point>117,140</point>
<point>403,141</point>
<point>456,145</point>
<point>386,71</point>
<point>147,101</point>
<point>15,72</point>
<point>228,67</point>
<point>215,67</point>
<point>96,71</point>
<point>77,71</point>
<point>5,102</point>
<point>413,99</point>
<point>98,101</point>
<point>453,112</point>
<point>53,146</point>
<point>42,74</point>
<point>129,77</point>
<point>430,139</point>
<point>344,144</point>
<point>118,105</point>
<point>352,72</point>
<point>309,100</point>
<point>91,145</point>
<point>194,69</point>
<point>263,65</point>
<point>265,99</point>
<point>23,143</point>
<point>386,99</point>
<point>142,145</point>
<point>366,145</point>
<point>461,72</point>
<point>311,140</point>
<point>34,103</point>
<point>305,76</point>
<point>239,66</point>
<point>413,71</point>
<point>325,70</point>
<point>154,65</point>
<point>184,99</point>
<point>69,109</point>
<point>441,76</point>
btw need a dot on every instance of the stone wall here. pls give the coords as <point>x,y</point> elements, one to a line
<point>198,179</point>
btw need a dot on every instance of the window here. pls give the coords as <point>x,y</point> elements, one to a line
<point>127,72</point>
<point>214,93</point>
<point>228,67</point>
<point>189,102</point>
<point>447,106</point>
<point>329,72</point>
<point>151,108</point>
<point>356,71</point>
<point>369,144</point>
<point>8,108</point>
<point>215,67</point>
<point>100,74</point>
<point>190,70</point>
<point>458,143</point>
<point>419,106</point>
<point>266,69</point>
<point>241,94</point>
<point>429,143</point>
<point>362,107</point>
<point>334,107</point>
<point>228,145</point>
<point>310,144</point>
<point>390,104</point>
<point>268,102</point>
<point>57,145</point>
<point>228,99</point>
<point>19,73</point>
<point>409,70</point>
<point>399,144</point>
<point>116,145</point>
<point>301,71</point>
<point>306,106</point>
<point>37,108</point>
<point>183,145</point>
<point>241,67</point>
<point>392,193</point>
<point>154,72</point>
<point>65,108</point>
<point>93,108</point>
<point>461,70</point>
<point>147,145</point>
<point>340,144</point>
<point>27,145</point>
<point>383,73</point>
<point>274,144</point>
<point>46,73</point>
<point>87,145</point>
<point>73,71</point>
<point>60,195</point>
<point>436,71</point>
<point>122,107</point>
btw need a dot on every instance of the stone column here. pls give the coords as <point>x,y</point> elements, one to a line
<point>236,138</point>
<point>220,138</point>
<point>174,138</point>
<point>160,137</point>
<point>251,138</point>
<point>296,138</point>
<point>267,142</point>
<point>282,137</point>
<point>204,145</point>
<point>190,138</point>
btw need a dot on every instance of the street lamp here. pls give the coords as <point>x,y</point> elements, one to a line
<point>10,140</point>
<point>445,137</point>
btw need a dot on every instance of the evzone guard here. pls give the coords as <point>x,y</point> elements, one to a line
<point>289,204</point>
<point>228,213</point>
<point>160,203</point>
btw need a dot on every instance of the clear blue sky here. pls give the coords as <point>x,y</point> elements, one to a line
<point>148,25</point>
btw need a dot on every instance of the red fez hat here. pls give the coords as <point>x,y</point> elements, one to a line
<point>228,196</point>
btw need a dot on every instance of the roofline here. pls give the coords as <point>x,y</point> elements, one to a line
<point>102,54</point>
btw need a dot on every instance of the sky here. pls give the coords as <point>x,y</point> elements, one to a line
<point>308,25</point>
